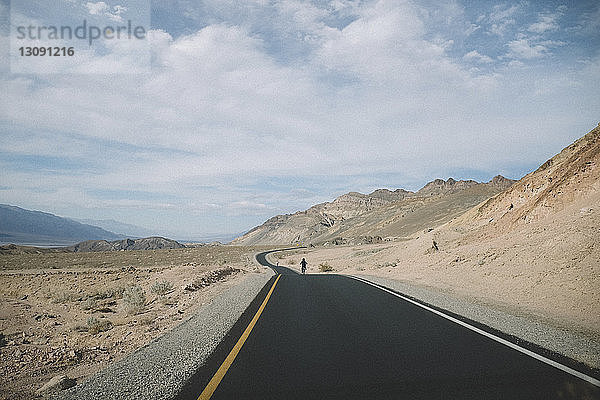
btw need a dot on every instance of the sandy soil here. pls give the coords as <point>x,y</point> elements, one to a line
<point>75,320</point>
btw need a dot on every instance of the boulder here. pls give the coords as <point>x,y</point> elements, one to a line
<point>59,382</point>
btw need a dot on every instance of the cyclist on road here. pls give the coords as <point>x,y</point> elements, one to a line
<point>303,265</point>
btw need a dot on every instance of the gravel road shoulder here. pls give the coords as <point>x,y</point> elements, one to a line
<point>158,370</point>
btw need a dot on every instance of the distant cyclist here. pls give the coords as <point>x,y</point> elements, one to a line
<point>303,265</point>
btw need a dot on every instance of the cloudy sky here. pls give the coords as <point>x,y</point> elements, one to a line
<point>230,112</point>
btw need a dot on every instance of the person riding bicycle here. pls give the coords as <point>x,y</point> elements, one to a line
<point>303,265</point>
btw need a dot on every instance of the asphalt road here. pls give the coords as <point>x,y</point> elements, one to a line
<point>333,337</point>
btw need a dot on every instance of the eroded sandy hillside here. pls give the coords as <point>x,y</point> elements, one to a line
<point>369,218</point>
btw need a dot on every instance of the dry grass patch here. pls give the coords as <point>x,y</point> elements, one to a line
<point>324,267</point>
<point>96,325</point>
<point>161,288</point>
<point>134,299</point>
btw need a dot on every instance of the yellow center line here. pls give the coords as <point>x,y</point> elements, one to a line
<point>216,379</point>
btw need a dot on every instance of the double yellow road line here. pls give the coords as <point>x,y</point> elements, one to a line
<point>218,376</point>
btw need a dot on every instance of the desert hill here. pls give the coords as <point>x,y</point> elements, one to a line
<point>367,218</point>
<point>150,243</point>
<point>18,225</point>
<point>565,179</point>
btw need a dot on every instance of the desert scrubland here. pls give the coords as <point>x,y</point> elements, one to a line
<point>64,313</point>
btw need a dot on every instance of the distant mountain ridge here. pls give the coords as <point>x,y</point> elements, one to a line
<point>359,218</point>
<point>149,243</point>
<point>440,186</point>
<point>18,225</point>
<point>118,227</point>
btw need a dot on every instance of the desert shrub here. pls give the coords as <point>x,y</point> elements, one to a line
<point>147,321</point>
<point>363,253</point>
<point>115,292</point>
<point>135,299</point>
<point>161,288</point>
<point>95,325</point>
<point>89,304</point>
<point>3,341</point>
<point>98,295</point>
<point>64,297</point>
<point>324,267</point>
<point>107,293</point>
<point>387,265</point>
<point>95,296</point>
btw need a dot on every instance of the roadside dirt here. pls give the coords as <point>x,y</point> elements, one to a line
<point>76,320</point>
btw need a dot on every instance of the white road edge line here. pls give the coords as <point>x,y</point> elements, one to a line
<point>505,342</point>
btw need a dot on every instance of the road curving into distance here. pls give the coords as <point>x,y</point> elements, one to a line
<point>336,337</point>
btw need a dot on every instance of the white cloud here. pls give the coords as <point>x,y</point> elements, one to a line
<point>120,10</point>
<point>514,64</point>
<point>385,40</point>
<point>589,23</point>
<point>99,8</point>
<point>500,19</point>
<point>523,48</point>
<point>102,9</point>
<point>529,42</point>
<point>218,95</point>
<point>380,95</point>
<point>500,29</point>
<point>474,55</point>
<point>246,205</point>
<point>503,12</point>
<point>528,48</point>
<point>471,29</point>
<point>547,22</point>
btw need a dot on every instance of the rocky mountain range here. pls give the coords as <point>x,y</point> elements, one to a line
<point>150,243</point>
<point>381,215</point>
<point>120,228</point>
<point>18,225</point>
